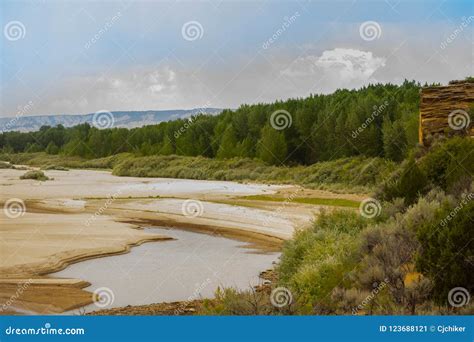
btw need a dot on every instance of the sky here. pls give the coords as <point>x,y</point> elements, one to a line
<point>77,57</point>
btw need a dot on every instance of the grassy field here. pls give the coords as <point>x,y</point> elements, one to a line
<point>336,202</point>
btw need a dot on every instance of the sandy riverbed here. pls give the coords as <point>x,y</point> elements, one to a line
<point>83,214</point>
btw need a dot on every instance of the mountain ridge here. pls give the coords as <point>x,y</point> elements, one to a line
<point>126,119</point>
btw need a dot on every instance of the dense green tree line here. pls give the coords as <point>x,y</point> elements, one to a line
<point>377,120</point>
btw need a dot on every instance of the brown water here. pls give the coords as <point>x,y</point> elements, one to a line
<point>190,267</point>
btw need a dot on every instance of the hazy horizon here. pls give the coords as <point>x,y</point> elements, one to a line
<point>74,59</point>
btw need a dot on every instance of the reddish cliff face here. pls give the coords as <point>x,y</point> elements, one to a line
<point>445,111</point>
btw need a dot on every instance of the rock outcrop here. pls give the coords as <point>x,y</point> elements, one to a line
<point>446,111</point>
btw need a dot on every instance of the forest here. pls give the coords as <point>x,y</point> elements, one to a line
<point>378,120</point>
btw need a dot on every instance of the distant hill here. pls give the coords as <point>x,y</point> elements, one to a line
<point>128,119</point>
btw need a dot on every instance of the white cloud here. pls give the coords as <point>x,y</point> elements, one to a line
<point>341,66</point>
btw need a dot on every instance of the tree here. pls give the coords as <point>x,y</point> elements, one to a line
<point>52,148</point>
<point>227,147</point>
<point>167,147</point>
<point>394,140</point>
<point>272,146</point>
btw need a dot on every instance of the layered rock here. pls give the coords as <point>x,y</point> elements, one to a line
<point>445,111</point>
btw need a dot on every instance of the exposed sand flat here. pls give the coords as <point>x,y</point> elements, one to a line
<point>39,243</point>
<point>81,214</point>
<point>274,224</point>
<point>79,184</point>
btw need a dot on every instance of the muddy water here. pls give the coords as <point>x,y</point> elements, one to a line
<point>190,267</point>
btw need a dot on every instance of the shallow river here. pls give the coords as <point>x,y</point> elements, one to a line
<point>190,267</point>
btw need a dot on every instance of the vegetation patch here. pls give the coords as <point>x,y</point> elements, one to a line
<point>336,202</point>
<point>35,174</point>
<point>55,167</point>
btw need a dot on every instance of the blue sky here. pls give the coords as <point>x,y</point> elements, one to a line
<point>80,57</point>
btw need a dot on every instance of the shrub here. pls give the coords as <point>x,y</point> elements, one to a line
<point>35,174</point>
<point>317,258</point>
<point>55,167</point>
<point>230,301</point>
<point>447,248</point>
<point>4,165</point>
<point>448,165</point>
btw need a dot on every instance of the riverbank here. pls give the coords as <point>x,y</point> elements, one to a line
<point>84,214</point>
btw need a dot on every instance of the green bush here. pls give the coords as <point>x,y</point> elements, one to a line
<point>55,167</point>
<point>230,301</point>
<point>448,165</point>
<point>316,260</point>
<point>4,165</point>
<point>35,174</point>
<point>351,174</point>
<point>447,248</point>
